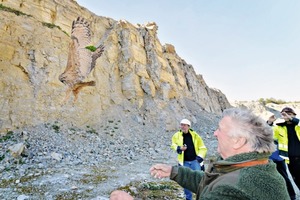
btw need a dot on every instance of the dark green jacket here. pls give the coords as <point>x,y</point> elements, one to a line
<point>223,180</point>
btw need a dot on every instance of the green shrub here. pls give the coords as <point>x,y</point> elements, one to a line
<point>91,48</point>
<point>56,128</point>
<point>49,25</point>
<point>271,100</point>
<point>7,136</point>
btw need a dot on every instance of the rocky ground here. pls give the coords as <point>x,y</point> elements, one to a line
<point>60,162</point>
<point>64,162</point>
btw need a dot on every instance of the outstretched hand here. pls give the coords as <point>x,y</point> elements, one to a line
<point>161,171</point>
<point>120,195</point>
<point>271,119</point>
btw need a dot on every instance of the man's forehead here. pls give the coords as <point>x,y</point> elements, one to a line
<point>225,119</point>
<point>225,122</point>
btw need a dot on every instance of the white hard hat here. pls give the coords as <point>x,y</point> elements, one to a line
<point>185,121</point>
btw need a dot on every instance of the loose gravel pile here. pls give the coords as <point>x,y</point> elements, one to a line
<point>63,162</point>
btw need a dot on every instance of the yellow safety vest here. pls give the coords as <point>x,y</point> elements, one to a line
<point>200,148</point>
<point>281,135</point>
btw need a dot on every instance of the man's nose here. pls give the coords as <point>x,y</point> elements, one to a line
<point>215,133</point>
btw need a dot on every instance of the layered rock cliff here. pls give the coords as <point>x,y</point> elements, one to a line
<point>136,78</point>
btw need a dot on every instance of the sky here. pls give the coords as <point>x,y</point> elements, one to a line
<point>248,49</point>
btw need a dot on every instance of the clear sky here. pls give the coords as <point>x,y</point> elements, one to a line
<point>249,49</point>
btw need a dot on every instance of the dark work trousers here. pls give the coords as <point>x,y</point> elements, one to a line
<point>294,167</point>
<point>281,168</point>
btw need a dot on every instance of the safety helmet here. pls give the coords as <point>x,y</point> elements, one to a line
<point>185,121</point>
<point>288,110</point>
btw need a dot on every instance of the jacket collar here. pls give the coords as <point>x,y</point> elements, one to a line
<point>239,161</point>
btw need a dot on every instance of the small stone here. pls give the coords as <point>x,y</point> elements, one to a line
<point>22,197</point>
<point>74,187</point>
<point>56,156</point>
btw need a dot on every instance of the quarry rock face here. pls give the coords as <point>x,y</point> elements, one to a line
<point>138,79</point>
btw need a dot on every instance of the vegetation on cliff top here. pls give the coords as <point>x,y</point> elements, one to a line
<point>272,100</point>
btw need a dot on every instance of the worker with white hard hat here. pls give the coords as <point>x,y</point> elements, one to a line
<point>190,149</point>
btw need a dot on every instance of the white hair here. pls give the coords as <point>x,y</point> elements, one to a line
<point>251,127</point>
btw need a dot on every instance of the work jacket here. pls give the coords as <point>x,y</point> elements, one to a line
<point>244,176</point>
<point>281,136</point>
<point>177,140</point>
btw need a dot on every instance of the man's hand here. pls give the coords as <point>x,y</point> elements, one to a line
<point>120,195</point>
<point>183,148</point>
<point>286,116</point>
<point>161,171</point>
<point>271,119</point>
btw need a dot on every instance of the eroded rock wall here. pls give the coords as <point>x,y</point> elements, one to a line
<point>136,76</point>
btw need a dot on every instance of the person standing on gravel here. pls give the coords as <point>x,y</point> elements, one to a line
<point>190,149</point>
<point>245,142</point>
<point>287,135</point>
<point>282,169</point>
<point>243,171</point>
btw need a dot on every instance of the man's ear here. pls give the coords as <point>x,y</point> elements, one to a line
<point>238,142</point>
